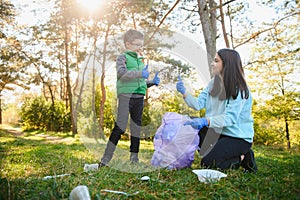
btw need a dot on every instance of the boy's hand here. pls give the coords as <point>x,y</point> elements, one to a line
<point>145,72</point>
<point>197,123</point>
<point>180,86</point>
<point>156,79</point>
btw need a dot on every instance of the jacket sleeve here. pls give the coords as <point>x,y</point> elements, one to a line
<point>122,71</point>
<point>149,84</point>
<point>197,103</point>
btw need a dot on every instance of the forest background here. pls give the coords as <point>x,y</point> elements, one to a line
<point>57,71</point>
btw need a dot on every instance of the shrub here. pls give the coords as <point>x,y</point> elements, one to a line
<point>39,114</point>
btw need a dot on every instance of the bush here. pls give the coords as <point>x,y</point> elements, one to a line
<point>264,135</point>
<point>39,114</point>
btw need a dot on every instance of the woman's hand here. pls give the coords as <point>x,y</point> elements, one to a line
<point>197,123</point>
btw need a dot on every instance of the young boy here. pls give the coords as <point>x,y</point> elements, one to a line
<point>131,89</point>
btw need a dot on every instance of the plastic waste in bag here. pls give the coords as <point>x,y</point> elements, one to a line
<point>174,143</point>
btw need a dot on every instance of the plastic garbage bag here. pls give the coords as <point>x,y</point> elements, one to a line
<point>174,143</point>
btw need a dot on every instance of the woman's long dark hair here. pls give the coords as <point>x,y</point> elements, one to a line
<point>233,80</point>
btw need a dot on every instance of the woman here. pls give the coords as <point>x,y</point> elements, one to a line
<point>226,131</point>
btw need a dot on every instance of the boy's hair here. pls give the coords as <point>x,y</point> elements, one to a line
<point>132,35</point>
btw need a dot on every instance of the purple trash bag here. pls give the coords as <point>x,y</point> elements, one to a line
<point>174,143</point>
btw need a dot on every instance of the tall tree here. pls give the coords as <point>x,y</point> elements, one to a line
<point>11,61</point>
<point>208,18</point>
<point>275,58</point>
<point>61,36</point>
<point>7,16</point>
<point>11,68</point>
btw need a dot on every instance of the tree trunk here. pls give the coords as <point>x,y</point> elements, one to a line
<point>69,89</point>
<point>0,108</point>
<point>103,91</point>
<point>223,25</point>
<point>75,106</point>
<point>287,134</point>
<point>51,128</point>
<point>209,27</point>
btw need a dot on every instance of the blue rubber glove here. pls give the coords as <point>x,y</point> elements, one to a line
<point>156,79</point>
<point>180,86</point>
<point>197,123</point>
<point>145,72</point>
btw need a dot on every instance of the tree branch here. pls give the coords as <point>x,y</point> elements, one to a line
<point>223,25</point>
<point>254,35</point>
<point>221,5</point>
<point>161,22</point>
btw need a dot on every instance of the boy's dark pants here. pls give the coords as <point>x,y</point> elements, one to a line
<point>126,106</point>
<point>220,151</point>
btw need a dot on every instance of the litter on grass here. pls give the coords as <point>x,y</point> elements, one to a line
<point>56,176</point>
<point>81,192</point>
<point>90,167</point>
<point>120,192</point>
<point>145,178</point>
<point>209,175</point>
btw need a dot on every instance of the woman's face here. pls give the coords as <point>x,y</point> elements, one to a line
<point>217,65</point>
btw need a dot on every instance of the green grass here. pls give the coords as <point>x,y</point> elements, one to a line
<point>26,159</point>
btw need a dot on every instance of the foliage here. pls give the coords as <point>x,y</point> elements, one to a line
<point>12,65</point>
<point>270,119</point>
<point>12,60</point>
<point>283,107</point>
<point>275,57</point>
<point>267,132</point>
<point>39,114</point>
<point>10,113</point>
<point>7,15</point>
<point>42,49</point>
<point>273,66</point>
<point>26,159</point>
<point>110,107</point>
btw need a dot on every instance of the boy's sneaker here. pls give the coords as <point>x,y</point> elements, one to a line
<point>249,162</point>
<point>101,164</point>
<point>134,159</point>
<point>104,161</point>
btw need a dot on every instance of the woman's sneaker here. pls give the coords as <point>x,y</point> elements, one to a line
<point>249,162</point>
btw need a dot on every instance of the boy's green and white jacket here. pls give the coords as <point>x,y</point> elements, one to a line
<point>129,74</point>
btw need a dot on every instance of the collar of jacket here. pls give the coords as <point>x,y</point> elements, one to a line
<point>131,53</point>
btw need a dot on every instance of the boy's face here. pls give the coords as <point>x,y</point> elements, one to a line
<point>136,45</point>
